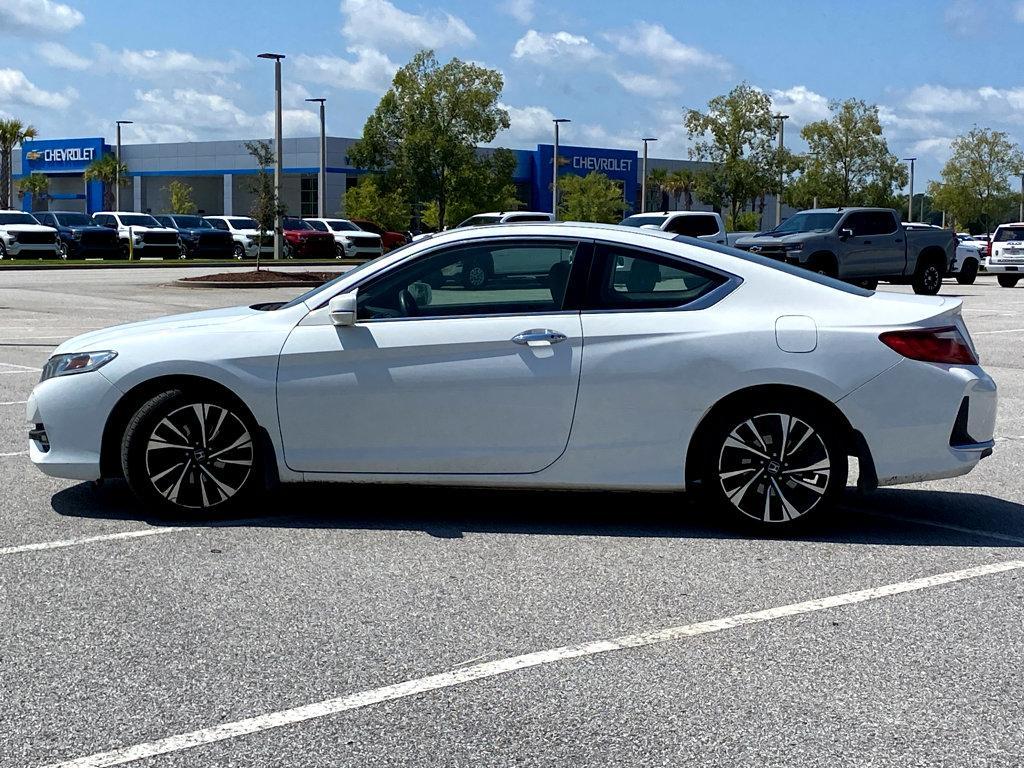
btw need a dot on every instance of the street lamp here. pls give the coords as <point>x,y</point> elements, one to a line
<point>117,171</point>
<point>643,180</point>
<point>278,155</point>
<point>910,198</point>
<point>321,182</point>
<point>554,168</point>
<point>778,198</point>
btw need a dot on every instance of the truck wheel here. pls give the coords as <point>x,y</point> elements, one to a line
<point>3,251</point>
<point>1008,281</point>
<point>238,252</point>
<point>968,273</point>
<point>927,278</point>
<point>870,285</point>
<point>823,265</point>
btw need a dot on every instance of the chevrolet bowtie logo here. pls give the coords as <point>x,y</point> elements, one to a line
<point>33,155</point>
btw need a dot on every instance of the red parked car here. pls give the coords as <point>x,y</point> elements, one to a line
<point>301,241</point>
<point>388,239</point>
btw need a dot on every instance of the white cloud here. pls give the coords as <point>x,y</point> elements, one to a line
<point>899,126</point>
<point>655,43</point>
<point>294,122</point>
<point>520,10</point>
<point>380,23</point>
<point>57,55</point>
<point>645,85</point>
<point>549,47</point>
<point>528,124</point>
<point>156,64</point>
<point>801,103</point>
<point>371,70</point>
<point>937,147</point>
<point>939,98</point>
<point>38,16</point>
<point>1018,11</point>
<point>15,88</point>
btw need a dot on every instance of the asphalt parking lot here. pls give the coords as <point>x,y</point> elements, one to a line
<point>277,638</point>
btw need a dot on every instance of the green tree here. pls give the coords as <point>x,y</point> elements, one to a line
<point>105,169</point>
<point>181,198</point>
<point>484,185</point>
<point>12,134</point>
<point>368,200</point>
<point>736,134</point>
<point>265,207</point>
<point>37,186</point>
<point>680,185</point>
<point>424,132</point>
<point>849,162</point>
<point>656,190</point>
<point>975,182</point>
<point>590,198</point>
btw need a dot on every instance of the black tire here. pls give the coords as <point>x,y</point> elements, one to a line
<point>474,274</point>
<point>968,273</point>
<point>339,251</point>
<point>288,251</point>
<point>123,250</point>
<point>3,252</point>
<point>1007,281</point>
<point>823,264</point>
<point>238,251</point>
<point>870,285</point>
<point>203,471</point>
<point>742,450</point>
<point>62,250</point>
<point>927,277</point>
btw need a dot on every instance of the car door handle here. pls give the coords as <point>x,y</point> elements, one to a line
<point>536,337</point>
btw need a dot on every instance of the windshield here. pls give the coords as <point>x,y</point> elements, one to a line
<point>243,223</point>
<point>641,220</point>
<point>1008,233</point>
<point>477,221</point>
<point>342,226</point>
<point>74,220</point>
<point>294,223</point>
<point>138,220</point>
<point>789,269</point>
<point>193,222</point>
<point>808,223</point>
<point>17,219</point>
<point>318,226</point>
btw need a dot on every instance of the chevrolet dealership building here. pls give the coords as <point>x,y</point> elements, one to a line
<point>219,172</point>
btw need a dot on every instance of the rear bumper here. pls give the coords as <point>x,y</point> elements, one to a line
<point>922,421</point>
<point>1012,269</point>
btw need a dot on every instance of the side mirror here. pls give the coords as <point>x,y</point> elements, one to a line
<point>342,309</point>
<point>845,233</point>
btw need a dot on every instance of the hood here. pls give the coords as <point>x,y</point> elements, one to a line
<point>107,338</point>
<point>26,228</point>
<point>203,231</point>
<point>795,237</point>
<point>86,228</point>
<point>144,228</point>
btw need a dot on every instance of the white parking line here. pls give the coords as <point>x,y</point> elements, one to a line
<point>62,543</point>
<point>13,453</point>
<point>461,676</point>
<point>19,367</point>
<point>29,371</point>
<point>13,403</point>
<point>1000,331</point>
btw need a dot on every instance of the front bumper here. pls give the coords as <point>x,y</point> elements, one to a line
<point>34,250</point>
<point>923,421</point>
<point>72,410</point>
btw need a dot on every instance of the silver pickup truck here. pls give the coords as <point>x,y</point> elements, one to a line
<point>860,245</point>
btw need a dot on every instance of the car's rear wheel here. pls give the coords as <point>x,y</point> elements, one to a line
<point>775,464</point>
<point>1008,281</point>
<point>191,453</point>
<point>968,273</point>
<point>927,278</point>
<point>238,251</point>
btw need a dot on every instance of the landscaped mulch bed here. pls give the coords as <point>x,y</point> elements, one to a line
<point>261,278</point>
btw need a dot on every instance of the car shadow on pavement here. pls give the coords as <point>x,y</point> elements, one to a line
<point>910,517</point>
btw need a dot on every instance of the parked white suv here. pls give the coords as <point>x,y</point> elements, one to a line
<point>141,233</point>
<point>705,225</point>
<point>1006,257</point>
<point>21,234</point>
<point>351,241</point>
<point>246,233</point>
<point>507,217</point>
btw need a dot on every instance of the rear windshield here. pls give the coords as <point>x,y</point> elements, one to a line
<point>1008,233</point>
<point>789,269</point>
<point>808,223</point>
<point>477,221</point>
<point>641,220</point>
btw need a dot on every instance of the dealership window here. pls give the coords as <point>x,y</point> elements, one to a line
<point>308,199</point>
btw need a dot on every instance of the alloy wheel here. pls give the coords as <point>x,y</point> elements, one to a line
<point>62,250</point>
<point>932,278</point>
<point>199,455</point>
<point>476,277</point>
<point>774,467</point>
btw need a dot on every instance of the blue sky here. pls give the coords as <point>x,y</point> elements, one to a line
<point>187,70</point>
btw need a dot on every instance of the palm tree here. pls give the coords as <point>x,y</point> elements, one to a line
<point>681,183</point>
<point>12,134</point>
<point>655,188</point>
<point>104,169</point>
<point>37,186</point>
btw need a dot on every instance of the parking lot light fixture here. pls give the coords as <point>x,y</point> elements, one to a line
<point>278,154</point>
<point>117,170</point>
<point>554,169</point>
<point>321,181</point>
<point>643,179</point>
<point>910,197</point>
<point>778,198</point>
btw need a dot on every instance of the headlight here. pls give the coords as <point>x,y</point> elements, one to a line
<point>248,242</point>
<point>346,241</point>
<point>12,237</point>
<point>137,239</point>
<point>794,246</point>
<point>76,363</point>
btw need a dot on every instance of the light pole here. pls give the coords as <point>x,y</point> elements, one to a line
<point>554,168</point>
<point>278,155</point>
<point>117,171</point>
<point>1021,214</point>
<point>321,182</point>
<point>643,180</point>
<point>910,198</point>
<point>778,198</point>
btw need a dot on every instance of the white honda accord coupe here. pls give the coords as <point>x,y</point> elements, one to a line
<point>602,357</point>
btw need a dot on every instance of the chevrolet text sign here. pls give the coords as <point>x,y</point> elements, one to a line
<point>61,155</point>
<point>603,164</point>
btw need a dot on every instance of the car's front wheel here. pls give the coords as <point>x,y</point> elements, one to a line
<point>1008,281</point>
<point>968,273</point>
<point>774,464</point>
<point>238,251</point>
<point>188,452</point>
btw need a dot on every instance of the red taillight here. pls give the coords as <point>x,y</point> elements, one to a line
<point>932,345</point>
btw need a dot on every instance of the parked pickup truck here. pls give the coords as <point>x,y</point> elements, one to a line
<point>696,224</point>
<point>860,245</point>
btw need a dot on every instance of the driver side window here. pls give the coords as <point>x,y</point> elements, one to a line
<point>484,278</point>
